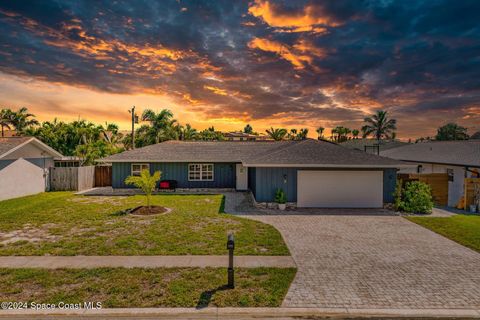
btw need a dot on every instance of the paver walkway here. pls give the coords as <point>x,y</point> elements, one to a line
<point>376,262</point>
<point>53,262</point>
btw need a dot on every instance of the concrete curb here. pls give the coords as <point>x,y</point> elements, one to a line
<point>54,262</point>
<point>240,313</point>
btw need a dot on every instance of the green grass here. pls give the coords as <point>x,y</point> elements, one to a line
<point>459,228</point>
<point>65,224</point>
<point>158,287</point>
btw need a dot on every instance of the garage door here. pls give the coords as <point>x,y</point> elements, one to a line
<point>340,189</point>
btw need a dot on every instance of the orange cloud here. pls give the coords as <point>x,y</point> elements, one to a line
<point>310,19</point>
<point>300,54</point>
<point>216,90</point>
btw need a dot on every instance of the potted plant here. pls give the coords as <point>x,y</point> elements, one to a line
<point>281,199</point>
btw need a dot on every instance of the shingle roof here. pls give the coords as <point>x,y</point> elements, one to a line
<point>315,152</point>
<point>361,143</point>
<point>463,153</point>
<point>289,153</point>
<point>7,144</point>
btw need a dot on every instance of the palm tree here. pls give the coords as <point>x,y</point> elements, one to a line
<point>5,119</point>
<point>248,129</point>
<point>21,119</point>
<point>340,134</point>
<point>302,135</point>
<point>320,132</point>
<point>355,133</point>
<point>379,125</point>
<point>451,131</point>
<point>146,182</point>
<point>188,133</point>
<point>276,134</point>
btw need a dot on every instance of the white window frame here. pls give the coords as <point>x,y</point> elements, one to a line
<point>137,172</point>
<point>201,172</point>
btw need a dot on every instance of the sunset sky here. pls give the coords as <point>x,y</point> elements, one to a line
<point>229,63</point>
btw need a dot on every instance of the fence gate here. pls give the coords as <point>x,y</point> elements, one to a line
<point>438,182</point>
<point>103,176</point>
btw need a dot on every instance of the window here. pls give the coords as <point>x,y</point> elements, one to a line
<point>200,172</point>
<point>138,167</point>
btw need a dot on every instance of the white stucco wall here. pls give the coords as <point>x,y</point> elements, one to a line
<point>21,178</point>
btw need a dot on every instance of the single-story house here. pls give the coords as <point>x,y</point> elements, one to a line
<point>24,164</point>
<point>459,159</point>
<point>312,173</point>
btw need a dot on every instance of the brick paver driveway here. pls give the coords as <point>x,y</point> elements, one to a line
<point>376,262</point>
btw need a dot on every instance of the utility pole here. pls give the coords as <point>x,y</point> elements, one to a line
<point>134,120</point>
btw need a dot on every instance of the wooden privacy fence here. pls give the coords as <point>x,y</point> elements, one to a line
<point>103,176</point>
<point>72,179</point>
<point>471,185</point>
<point>438,182</point>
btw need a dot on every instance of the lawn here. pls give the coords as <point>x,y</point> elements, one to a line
<point>61,223</point>
<point>158,287</point>
<point>459,228</point>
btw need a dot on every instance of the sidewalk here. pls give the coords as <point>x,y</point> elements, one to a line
<point>213,313</point>
<point>53,262</point>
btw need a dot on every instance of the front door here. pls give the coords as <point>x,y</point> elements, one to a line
<point>242,177</point>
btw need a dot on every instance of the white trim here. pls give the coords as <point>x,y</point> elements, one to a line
<point>167,161</point>
<point>293,165</point>
<point>138,164</point>
<point>39,143</point>
<point>344,166</point>
<point>201,171</point>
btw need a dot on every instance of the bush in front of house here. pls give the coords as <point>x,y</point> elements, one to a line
<point>415,197</point>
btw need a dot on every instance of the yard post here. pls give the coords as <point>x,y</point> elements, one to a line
<point>230,247</point>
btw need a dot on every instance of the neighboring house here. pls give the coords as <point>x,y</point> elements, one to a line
<point>312,173</point>
<point>372,145</point>
<point>460,159</point>
<point>242,136</point>
<point>24,164</point>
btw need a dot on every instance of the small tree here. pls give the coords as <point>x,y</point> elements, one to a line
<point>146,182</point>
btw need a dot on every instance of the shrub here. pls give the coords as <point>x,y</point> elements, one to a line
<point>280,196</point>
<point>417,198</point>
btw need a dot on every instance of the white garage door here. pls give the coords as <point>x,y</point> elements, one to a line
<point>340,189</point>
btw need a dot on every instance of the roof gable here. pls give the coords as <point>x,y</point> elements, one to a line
<point>12,144</point>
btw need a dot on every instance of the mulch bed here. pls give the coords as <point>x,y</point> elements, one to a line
<point>149,211</point>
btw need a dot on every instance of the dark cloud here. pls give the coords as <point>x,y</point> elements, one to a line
<point>296,60</point>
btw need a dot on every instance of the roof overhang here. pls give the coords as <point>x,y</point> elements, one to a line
<point>356,166</point>
<point>443,163</point>
<point>36,142</point>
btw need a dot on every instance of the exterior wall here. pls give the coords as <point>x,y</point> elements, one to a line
<point>251,180</point>
<point>267,180</point>
<point>39,162</point>
<point>389,184</point>
<point>223,175</point>
<point>455,187</point>
<point>21,178</point>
